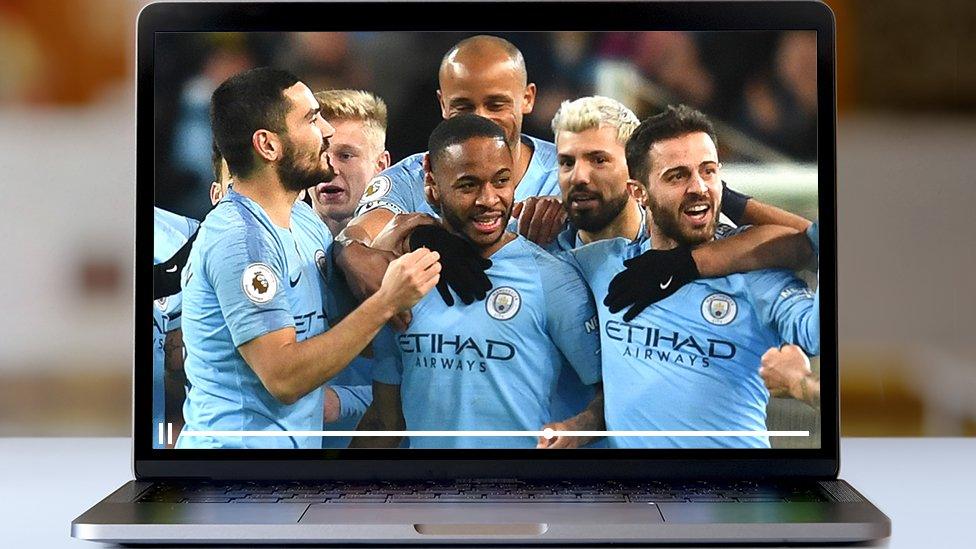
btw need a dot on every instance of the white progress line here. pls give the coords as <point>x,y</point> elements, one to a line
<point>547,433</point>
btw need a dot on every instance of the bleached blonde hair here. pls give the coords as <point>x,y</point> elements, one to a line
<point>357,105</point>
<point>595,111</point>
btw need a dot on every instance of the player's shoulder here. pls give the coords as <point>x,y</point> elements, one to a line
<point>304,216</point>
<point>546,149</point>
<point>539,255</point>
<point>235,220</point>
<point>403,179</point>
<point>407,168</point>
<point>551,269</point>
<point>605,249</point>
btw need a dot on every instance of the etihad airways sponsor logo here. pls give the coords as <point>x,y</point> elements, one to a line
<point>456,345</point>
<point>650,343</point>
<point>453,352</point>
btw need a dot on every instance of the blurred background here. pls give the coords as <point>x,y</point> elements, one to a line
<point>906,132</point>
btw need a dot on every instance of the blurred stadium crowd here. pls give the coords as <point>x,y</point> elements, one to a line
<point>762,84</point>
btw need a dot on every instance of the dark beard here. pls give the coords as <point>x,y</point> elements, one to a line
<point>598,219</point>
<point>667,222</point>
<point>296,178</point>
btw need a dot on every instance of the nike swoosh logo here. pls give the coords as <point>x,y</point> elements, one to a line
<point>295,282</point>
<point>172,269</point>
<point>664,285</point>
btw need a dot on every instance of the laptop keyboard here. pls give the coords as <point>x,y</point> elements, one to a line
<point>483,492</point>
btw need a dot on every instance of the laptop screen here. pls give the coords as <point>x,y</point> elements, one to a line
<point>519,240</point>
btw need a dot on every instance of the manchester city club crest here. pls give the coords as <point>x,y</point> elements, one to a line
<point>322,263</point>
<point>719,309</point>
<point>259,283</point>
<point>503,303</point>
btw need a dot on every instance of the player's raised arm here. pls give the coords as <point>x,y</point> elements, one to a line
<point>746,210</point>
<point>290,369</point>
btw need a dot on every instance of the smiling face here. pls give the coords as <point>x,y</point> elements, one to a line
<point>471,183</point>
<point>489,84</point>
<point>304,161</point>
<point>592,176</point>
<point>685,188</point>
<point>355,160</point>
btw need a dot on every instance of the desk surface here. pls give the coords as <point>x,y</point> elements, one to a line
<point>926,486</point>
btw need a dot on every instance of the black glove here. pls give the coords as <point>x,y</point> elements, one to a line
<point>649,278</point>
<point>462,267</point>
<point>166,275</point>
<point>733,204</point>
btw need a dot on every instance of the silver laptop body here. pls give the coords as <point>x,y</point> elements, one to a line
<point>615,496</point>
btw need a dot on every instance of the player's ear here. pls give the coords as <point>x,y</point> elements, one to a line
<point>383,162</point>
<point>267,144</point>
<point>445,113</point>
<point>637,191</point>
<point>215,193</point>
<point>431,193</point>
<point>528,98</point>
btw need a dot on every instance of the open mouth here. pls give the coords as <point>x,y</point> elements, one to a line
<point>583,200</point>
<point>487,223</point>
<point>698,213</point>
<point>330,192</point>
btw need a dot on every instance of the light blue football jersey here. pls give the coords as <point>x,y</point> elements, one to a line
<point>170,233</point>
<point>247,277</point>
<point>400,188</point>
<point>493,364</point>
<point>691,361</point>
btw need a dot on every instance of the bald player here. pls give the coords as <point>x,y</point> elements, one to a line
<point>483,75</point>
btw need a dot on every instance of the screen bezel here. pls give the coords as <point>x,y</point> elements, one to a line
<point>486,463</point>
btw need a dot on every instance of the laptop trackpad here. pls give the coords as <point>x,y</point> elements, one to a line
<point>486,519</point>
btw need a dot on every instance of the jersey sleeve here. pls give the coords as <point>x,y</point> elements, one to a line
<point>173,312</point>
<point>399,188</point>
<point>387,362</point>
<point>353,400</point>
<point>789,307</point>
<point>245,272</point>
<point>813,233</point>
<point>570,310</point>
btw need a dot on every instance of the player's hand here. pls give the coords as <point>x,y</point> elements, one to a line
<point>649,278</point>
<point>395,236</point>
<point>463,267</point>
<point>556,442</point>
<point>540,218</point>
<point>409,278</point>
<point>363,268</point>
<point>783,369</point>
<point>332,405</point>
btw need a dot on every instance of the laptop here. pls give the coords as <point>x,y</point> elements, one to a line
<point>478,273</point>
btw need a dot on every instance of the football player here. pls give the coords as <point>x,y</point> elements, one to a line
<point>489,365</point>
<point>258,351</point>
<point>687,362</point>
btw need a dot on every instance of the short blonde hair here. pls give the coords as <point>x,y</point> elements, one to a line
<point>356,105</point>
<point>595,111</point>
